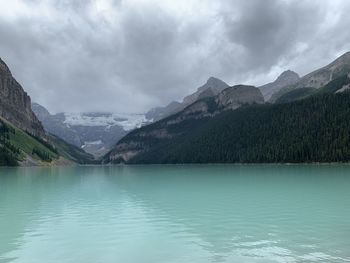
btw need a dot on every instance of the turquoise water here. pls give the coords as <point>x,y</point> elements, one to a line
<point>175,214</point>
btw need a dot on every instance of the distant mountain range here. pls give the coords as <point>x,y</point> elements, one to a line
<point>94,132</point>
<point>309,122</point>
<point>292,119</point>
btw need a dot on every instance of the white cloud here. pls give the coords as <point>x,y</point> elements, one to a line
<point>130,55</point>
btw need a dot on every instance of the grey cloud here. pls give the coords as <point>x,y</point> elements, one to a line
<point>135,56</point>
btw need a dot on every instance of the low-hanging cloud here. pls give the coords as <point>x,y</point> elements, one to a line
<point>128,55</point>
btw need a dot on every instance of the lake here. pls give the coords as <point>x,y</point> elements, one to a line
<point>176,214</point>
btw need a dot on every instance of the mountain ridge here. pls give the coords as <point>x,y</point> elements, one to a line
<point>229,99</point>
<point>212,87</point>
<point>319,77</point>
<point>15,103</point>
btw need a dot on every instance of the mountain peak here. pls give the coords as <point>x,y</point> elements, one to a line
<point>287,76</point>
<point>212,81</point>
<point>343,58</point>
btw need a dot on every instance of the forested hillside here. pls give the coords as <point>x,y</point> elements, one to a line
<point>315,129</point>
<point>19,147</point>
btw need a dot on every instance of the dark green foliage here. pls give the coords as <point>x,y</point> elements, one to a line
<point>316,129</point>
<point>7,158</point>
<point>296,94</point>
<point>335,85</point>
<point>72,152</point>
<point>43,142</point>
<point>303,93</point>
<point>43,155</point>
<point>8,152</point>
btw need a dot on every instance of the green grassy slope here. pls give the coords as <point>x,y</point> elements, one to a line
<point>72,152</point>
<point>16,146</point>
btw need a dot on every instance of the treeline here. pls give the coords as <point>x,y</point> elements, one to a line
<point>43,155</point>
<point>315,129</point>
<point>8,152</point>
<point>47,144</point>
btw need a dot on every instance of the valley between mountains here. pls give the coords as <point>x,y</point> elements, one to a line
<point>290,120</point>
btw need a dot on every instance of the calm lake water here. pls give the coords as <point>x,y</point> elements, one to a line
<point>141,214</point>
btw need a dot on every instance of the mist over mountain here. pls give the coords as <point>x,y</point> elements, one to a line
<point>287,78</point>
<point>94,132</point>
<point>306,124</point>
<point>212,87</point>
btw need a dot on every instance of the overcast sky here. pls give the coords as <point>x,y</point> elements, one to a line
<point>131,55</point>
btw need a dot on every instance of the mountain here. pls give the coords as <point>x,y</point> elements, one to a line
<point>18,147</point>
<point>315,129</point>
<point>305,124</point>
<point>182,124</point>
<point>338,85</point>
<point>287,78</point>
<point>318,78</point>
<point>94,132</point>
<point>212,87</point>
<point>23,140</point>
<point>15,104</point>
<point>162,112</point>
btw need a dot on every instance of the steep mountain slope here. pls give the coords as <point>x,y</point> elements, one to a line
<point>22,136</point>
<point>320,77</point>
<point>182,124</point>
<point>211,88</point>
<point>15,104</point>
<point>337,85</point>
<point>315,129</point>
<point>18,147</point>
<point>287,78</point>
<point>96,133</point>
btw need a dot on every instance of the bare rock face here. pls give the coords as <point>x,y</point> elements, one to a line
<point>236,96</point>
<point>163,112</point>
<point>211,88</point>
<point>15,104</point>
<point>318,78</point>
<point>287,78</point>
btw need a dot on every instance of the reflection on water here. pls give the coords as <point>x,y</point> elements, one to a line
<point>218,213</point>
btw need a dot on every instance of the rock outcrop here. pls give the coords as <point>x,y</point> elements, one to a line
<point>211,88</point>
<point>318,78</point>
<point>287,78</point>
<point>15,104</point>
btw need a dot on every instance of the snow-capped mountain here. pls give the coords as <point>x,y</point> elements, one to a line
<point>126,121</point>
<point>95,132</point>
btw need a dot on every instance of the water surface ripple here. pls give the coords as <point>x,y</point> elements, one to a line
<point>176,214</point>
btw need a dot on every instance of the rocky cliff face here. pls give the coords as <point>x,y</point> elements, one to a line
<point>145,138</point>
<point>15,104</point>
<point>318,78</point>
<point>211,88</point>
<point>287,78</point>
